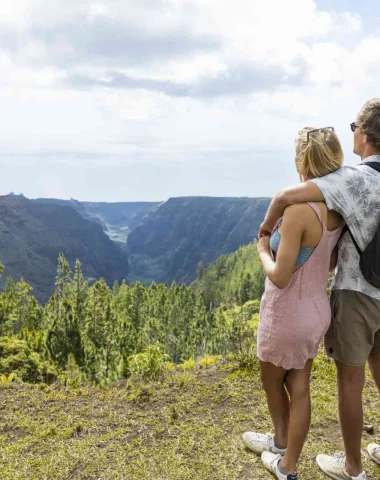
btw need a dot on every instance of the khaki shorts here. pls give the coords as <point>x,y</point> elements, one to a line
<point>354,333</point>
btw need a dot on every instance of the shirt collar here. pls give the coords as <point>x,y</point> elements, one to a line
<point>372,158</point>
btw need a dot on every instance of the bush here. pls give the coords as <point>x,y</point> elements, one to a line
<point>17,357</point>
<point>244,335</point>
<point>72,376</point>
<point>149,364</point>
<point>188,364</point>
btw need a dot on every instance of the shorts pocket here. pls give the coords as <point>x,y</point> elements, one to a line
<point>334,307</point>
<point>332,331</point>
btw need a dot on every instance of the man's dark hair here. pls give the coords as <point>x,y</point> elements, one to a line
<point>369,122</point>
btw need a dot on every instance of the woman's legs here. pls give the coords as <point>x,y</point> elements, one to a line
<point>298,385</point>
<point>273,379</point>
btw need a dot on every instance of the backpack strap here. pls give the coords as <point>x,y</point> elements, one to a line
<point>346,229</point>
<point>374,165</point>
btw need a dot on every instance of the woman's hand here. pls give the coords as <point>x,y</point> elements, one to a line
<point>263,245</point>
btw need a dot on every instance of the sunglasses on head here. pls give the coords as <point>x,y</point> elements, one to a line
<point>318,130</point>
<point>353,126</point>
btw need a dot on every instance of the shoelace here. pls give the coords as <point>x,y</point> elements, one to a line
<point>339,460</point>
<point>264,437</point>
<point>376,449</point>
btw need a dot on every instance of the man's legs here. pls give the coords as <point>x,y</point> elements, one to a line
<point>374,366</point>
<point>349,341</point>
<point>350,389</point>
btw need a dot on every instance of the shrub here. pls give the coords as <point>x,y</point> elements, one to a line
<point>16,357</point>
<point>72,376</point>
<point>209,360</point>
<point>149,364</point>
<point>189,364</point>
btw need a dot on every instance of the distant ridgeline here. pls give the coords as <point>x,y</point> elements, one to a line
<point>137,241</point>
<point>173,238</point>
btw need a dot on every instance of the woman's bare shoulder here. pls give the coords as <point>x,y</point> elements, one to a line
<point>304,213</point>
<point>298,210</point>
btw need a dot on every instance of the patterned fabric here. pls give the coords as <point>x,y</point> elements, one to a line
<point>354,192</point>
<point>303,256</point>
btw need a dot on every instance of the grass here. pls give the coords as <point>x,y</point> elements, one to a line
<point>187,427</point>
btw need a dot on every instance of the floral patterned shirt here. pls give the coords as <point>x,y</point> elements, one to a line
<point>354,192</point>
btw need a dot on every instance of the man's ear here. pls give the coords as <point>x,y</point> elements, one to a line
<point>365,139</point>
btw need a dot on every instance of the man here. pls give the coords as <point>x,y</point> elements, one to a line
<point>354,335</point>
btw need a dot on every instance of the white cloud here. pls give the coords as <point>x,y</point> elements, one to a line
<point>13,11</point>
<point>216,77</point>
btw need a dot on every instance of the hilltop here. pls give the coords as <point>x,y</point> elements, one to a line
<point>186,427</point>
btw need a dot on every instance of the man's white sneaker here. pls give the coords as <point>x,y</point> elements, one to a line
<point>271,462</point>
<point>259,443</point>
<point>374,452</point>
<point>335,467</point>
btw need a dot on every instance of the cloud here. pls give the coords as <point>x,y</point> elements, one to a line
<point>241,80</point>
<point>251,46</point>
<point>100,33</point>
<point>176,84</point>
<point>106,42</point>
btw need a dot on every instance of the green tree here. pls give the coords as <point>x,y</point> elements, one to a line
<point>64,314</point>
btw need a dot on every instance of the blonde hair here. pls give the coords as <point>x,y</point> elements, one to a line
<point>320,152</point>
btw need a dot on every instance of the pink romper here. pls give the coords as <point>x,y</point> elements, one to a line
<point>293,320</point>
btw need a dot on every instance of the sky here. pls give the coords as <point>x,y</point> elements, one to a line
<point>142,100</point>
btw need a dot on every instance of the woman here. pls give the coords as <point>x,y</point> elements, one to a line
<point>295,312</point>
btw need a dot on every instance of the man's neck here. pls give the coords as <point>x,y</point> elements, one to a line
<point>370,152</point>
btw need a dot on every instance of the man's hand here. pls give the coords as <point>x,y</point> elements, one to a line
<point>266,228</point>
<point>263,245</point>
<point>304,192</point>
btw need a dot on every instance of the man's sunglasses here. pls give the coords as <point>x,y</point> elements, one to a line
<point>353,126</point>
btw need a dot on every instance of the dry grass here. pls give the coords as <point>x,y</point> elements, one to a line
<point>187,427</point>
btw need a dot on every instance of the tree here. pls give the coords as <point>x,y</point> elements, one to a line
<point>103,360</point>
<point>64,314</point>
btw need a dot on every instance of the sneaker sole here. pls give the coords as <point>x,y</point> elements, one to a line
<point>331,475</point>
<point>249,446</point>
<point>371,457</point>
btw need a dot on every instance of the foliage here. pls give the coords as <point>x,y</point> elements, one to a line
<point>235,330</point>
<point>233,279</point>
<point>149,364</point>
<point>17,358</point>
<point>209,360</point>
<point>72,376</point>
<point>7,379</point>
<point>185,429</point>
<point>189,364</point>
<point>98,335</point>
<point>18,308</point>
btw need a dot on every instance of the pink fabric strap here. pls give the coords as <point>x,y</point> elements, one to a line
<point>317,211</point>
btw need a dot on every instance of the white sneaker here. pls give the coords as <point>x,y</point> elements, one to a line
<point>374,452</point>
<point>335,467</point>
<point>271,462</point>
<point>259,443</point>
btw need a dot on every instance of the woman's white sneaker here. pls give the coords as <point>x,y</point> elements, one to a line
<point>259,443</point>
<point>374,452</point>
<point>271,462</point>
